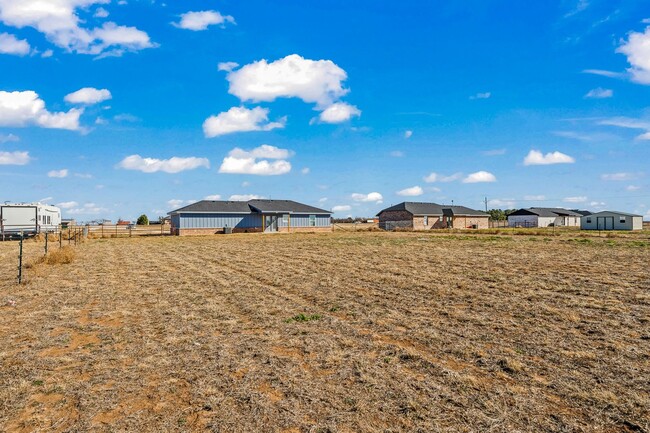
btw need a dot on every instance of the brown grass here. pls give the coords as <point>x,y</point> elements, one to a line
<point>342,332</point>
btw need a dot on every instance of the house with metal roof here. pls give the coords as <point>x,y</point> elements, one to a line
<point>426,216</point>
<point>611,220</point>
<point>213,216</point>
<point>544,217</point>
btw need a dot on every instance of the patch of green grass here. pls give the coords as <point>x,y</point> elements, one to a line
<point>37,382</point>
<point>640,244</point>
<point>304,318</point>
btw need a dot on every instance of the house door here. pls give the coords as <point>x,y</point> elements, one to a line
<point>271,223</point>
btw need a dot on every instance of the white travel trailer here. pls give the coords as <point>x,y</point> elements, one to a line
<point>29,218</point>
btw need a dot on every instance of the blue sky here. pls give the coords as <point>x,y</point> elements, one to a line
<point>116,108</point>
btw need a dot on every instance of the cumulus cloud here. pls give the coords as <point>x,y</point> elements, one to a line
<point>61,25</point>
<point>339,112</point>
<point>87,209</point>
<point>59,174</point>
<point>599,93</point>
<point>172,165</point>
<point>212,197</point>
<point>637,50</point>
<point>435,177</point>
<point>579,199</point>
<point>313,81</point>
<point>100,13</point>
<point>502,203</point>
<point>176,203</point>
<point>373,197</point>
<point>257,161</point>
<point>14,158</point>
<point>20,109</point>
<point>198,21</point>
<point>245,197</point>
<point>536,157</point>
<point>9,44</point>
<point>411,192</point>
<point>480,177</point>
<point>341,208</point>
<point>240,119</point>
<point>88,96</point>
<point>534,197</point>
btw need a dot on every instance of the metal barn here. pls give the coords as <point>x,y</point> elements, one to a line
<point>611,220</point>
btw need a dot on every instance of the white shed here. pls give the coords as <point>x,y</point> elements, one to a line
<point>611,220</point>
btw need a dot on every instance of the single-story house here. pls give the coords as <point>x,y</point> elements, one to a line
<point>544,217</point>
<point>611,220</point>
<point>426,216</point>
<point>212,216</point>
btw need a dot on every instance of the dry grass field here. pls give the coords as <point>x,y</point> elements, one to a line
<point>342,332</point>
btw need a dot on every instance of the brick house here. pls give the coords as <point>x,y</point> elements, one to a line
<point>427,216</point>
<point>212,216</point>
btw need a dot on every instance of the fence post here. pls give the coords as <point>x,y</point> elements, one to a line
<point>102,231</point>
<point>46,236</point>
<point>69,240</point>
<point>60,239</point>
<point>20,260</point>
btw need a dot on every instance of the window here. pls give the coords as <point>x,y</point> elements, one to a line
<point>426,221</point>
<point>622,220</point>
<point>312,220</point>
<point>285,219</point>
<point>588,220</point>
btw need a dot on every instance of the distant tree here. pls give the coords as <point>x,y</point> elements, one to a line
<point>142,220</point>
<point>497,214</point>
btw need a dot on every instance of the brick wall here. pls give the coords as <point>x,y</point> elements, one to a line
<point>304,229</point>
<point>462,222</point>
<point>393,216</point>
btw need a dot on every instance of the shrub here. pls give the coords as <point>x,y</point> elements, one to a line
<point>143,220</point>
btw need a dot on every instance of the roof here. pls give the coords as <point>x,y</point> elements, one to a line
<point>418,208</point>
<point>246,207</point>
<point>551,212</point>
<point>284,206</point>
<point>616,213</point>
<point>582,212</point>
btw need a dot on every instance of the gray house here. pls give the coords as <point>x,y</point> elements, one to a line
<point>611,220</point>
<point>209,217</point>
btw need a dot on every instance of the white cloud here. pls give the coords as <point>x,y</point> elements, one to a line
<point>534,197</point>
<point>67,204</point>
<point>341,208</point>
<point>88,96</point>
<point>502,203</point>
<point>603,73</point>
<point>597,203</point>
<point>305,170</point>
<point>408,134</point>
<point>172,165</point>
<point>629,123</point>
<point>240,119</point>
<point>197,21</point>
<point>256,161</point>
<point>579,199</point>
<point>9,44</point>
<point>373,197</point>
<point>397,154</point>
<point>100,13</point>
<point>622,176</point>
<point>20,109</point>
<point>339,112</point>
<point>484,95</point>
<point>322,200</point>
<point>536,157</point>
<point>8,138</point>
<point>632,188</point>
<point>59,21</point>
<point>227,66</point>
<point>637,50</point>
<point>60,174</point>
<point>411,192</point>
<point>212,197</point>
<point>176,203</point>
<point>480,177</point>
<point>435,177</point>
<point>245,197</point>
<point>87,209</point>
<point>599,93</point>
<point>14,158</point>
<point>313,81</point>
<point>47,54</point>
<point>83,175</point>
